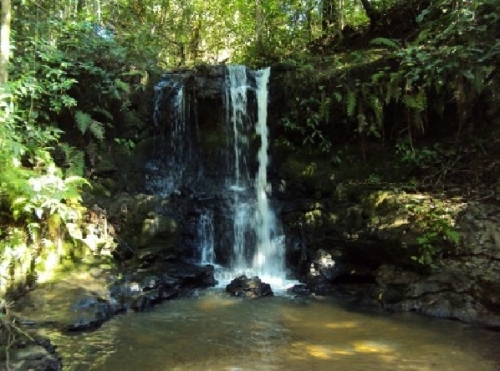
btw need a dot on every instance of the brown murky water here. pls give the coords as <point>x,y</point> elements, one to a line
<point>215,332</point>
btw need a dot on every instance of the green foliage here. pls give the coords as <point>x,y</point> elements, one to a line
<point>382,41</point>
<point>307,118</point>
<point>414,159</point>
<point>450,61</point>
<point>128,144</point>
<point>439,235</point>
<point>74,160</point>
<point>33,190</point>
<point>351,103</point>
<point>86,124</point>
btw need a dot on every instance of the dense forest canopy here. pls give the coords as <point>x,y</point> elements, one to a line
<point>69,71</point>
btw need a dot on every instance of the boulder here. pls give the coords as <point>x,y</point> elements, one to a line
<point>249,287</point>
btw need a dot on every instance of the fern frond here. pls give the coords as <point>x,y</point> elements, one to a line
<point>121,85</point>
<point>131,118</point>
<point>74,160</point>
<point>82,120</point>
<point>85,123</point>
<point>104,112</point>
<point>351,103</point>
<point>67,150</point>
<point>97,129</point>
<point>392,90</point>
<point>377,108</point>
<point>391,44</point>
<point>76,163</point>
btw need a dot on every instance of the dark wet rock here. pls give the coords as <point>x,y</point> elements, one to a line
<point>80,304</point>
<point>249,287</point>
<point>190,275</point>
<point>36,354</point>
<point>90,311</point>
<point>142,289</point>
<point>300,290</point>
<point>455,291</point>
<point>35,357</point>
<point>361,237</point>
<point>318,284</point>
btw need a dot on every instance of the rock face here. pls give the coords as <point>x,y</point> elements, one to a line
<point>362,248</point>
<point>344,236</point>
<point>467,284</point>
<point>182,172</point>
<point>249,287</point>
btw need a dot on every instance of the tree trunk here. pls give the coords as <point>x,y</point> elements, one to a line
<point>194,42</point>
<point>329,15</point>
<point>370,11</point>
<point>259,27</point>
<point>341,12</point>
<point>5,43</point>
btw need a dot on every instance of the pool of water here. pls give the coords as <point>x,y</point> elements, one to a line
<point>211,331</point>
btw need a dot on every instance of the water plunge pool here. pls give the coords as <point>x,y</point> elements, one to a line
<point>212,331</point>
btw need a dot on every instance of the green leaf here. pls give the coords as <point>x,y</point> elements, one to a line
<point>453,235</point>
<point>351,103</point>
<point>391,44</point>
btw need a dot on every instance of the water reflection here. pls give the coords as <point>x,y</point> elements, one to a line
<point>216,332</point>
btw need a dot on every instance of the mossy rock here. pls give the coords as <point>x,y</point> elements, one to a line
<point>158,228</point>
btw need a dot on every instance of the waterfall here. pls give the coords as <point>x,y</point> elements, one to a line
<point>206,238</point>
<point>237,86</point>
<point>257,248</point>
<point>241,217</point>
<point>165,174</point>
<point>269,257</point>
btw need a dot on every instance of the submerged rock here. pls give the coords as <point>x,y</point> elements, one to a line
<point>249,287</point>
<point>80,303</point>
<point>35,354</point>
<point>300,290</point>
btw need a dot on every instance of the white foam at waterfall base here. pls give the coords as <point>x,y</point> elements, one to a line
<point>279,285</point>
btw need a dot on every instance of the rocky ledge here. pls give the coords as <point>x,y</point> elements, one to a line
<point>83,301</point>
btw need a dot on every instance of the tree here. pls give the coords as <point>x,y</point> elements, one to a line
<point>5,43</point>
<point>371,12</point>
<point>330,16</point>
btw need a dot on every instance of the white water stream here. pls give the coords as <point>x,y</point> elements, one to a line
<point>179,155</point>
<point>258,246</point>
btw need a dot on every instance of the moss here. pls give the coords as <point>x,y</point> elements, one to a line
<point>99,190</point>
<point>379,202</point>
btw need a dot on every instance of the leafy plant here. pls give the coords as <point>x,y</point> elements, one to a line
<point>129,144</point>
<point>413,158</point>
<point>86,124</point>
<point>74,160</point>
<point>308,117</point>
<point>439,235</point>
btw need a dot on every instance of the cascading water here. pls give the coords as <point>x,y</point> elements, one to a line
<point>239,182</point>
<point>237,83</point>
<point>166,174</point>
<point>269,257</point>
<point>206,238</point>
<point>257,247</point>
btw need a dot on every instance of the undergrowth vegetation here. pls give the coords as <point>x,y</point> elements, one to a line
<point>443,74</point>
<point>68,84</point>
